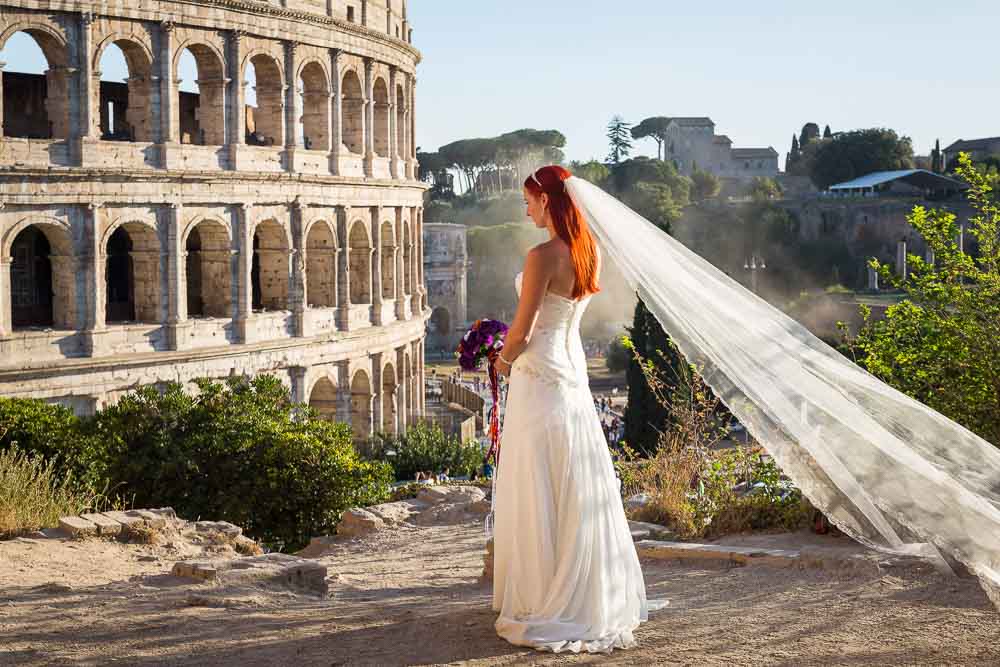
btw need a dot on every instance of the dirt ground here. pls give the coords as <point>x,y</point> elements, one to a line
<point>413,597</point>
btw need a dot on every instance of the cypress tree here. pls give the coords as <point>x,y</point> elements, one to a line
<point>827,134</point>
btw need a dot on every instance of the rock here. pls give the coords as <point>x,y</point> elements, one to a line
<point>105,525</point>
<point>281,570</point>
<point>480,507</point>
<point>638,501</point>
<point>126,519</point>
<point>244,545</point>
<point>433,495</point>
<point>224,527</point>
<point>318,546</point>
<point>357,521</point>
<point>446,514</point>
<point>152,520</point>
<point>397,512</point>
<point>649,531</point>
<point>167,513</point>
<point>77,527</point>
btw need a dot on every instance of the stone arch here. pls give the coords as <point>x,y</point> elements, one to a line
<point>132,272</point>
<point>388,239</point>
<point>202,115</point>
<point>45,110</point>
<point>267,126</point>
<point>208,269</point>
<point>360,260</point>
<point>124,108</point>
<point>43,277</point>
<point>323,398</point>
<point>361,405</point>
<point>314,87</point>
<point>381,129</point>
<point>353,112</point>
<point>407,259</point>
<point>270,274</point>
<point>390,400</point>
<point>441,321</point>
<point>400,121</point>
<point>321,265</point>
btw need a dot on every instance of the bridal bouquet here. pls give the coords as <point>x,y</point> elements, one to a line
<point>483,342</point>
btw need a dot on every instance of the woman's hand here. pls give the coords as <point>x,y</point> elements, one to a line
<point>502,367</point>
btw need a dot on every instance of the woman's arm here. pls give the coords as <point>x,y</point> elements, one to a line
<point>534,282</point>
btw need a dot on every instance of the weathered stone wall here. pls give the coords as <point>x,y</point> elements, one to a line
<point>178,248</point>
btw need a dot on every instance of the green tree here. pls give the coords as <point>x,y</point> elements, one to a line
<point>704,185</point>
<point>593,171</point>
<point>810,133</point>
<point>849,155</point>
<point>762,188</point>
<point>620,139</point>
<point>940,345</point>
<point>827,133</point>
<point>937,165</point>
<point>654,128</point>
<point>794,155</point>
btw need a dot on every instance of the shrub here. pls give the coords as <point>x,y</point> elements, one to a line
<point>240,452</point>
<point>53,433</point>
<point>34,494</point>
<point>425,447</point>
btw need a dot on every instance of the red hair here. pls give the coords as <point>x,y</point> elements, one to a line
<point>570,226</point>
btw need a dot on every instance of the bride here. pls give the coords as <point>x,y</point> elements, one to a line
<point>566,574</point>
<point>886,469</point>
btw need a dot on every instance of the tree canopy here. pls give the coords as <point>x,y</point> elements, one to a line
<point>654,128</point>
<point>620,139</point>
<point>849,155</point>
<point>493,165</point>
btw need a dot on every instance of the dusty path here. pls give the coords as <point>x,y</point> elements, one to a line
<point>413,597</point>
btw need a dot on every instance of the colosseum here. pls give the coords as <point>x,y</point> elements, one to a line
<point>242,200</point>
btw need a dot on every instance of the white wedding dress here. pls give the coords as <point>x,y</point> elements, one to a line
<point>566,573</point>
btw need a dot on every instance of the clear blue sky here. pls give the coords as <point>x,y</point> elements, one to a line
<point>760,70</point>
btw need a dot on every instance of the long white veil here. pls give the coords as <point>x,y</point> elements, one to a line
<point>886,469</point>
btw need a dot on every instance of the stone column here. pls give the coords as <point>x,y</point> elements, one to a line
<point>178,325</point>
<point>393,126</point>
<point>2,65</point>
<point>343,270</point>
<point>291,104</point>
<point>237,124</point>
<point>419,237</point>
<point>369,116</point>
<point>376,410</point>
<point>299,285</point>
<point>873,279</point>
<point>400,270</point>
<point>402,390</point>
<point>411,157</point>
<point>243,231</point>
<point>364,13</point>
<point>336,113</point>
<point>89,87</point>
<point>421,387</point>
<point>93,267</point>
<point>376,264</point>
<point>901,268</point>
<point>344,391</point>
<point>6,302</point>
<point>169,118</point>
<point>297,374</point>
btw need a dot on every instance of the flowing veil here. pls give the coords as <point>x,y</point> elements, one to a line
<point>886,469</point>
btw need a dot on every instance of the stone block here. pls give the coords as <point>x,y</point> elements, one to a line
<point>152,519</point>
<point>224,527</point>
<point>105,525</point>
<point>357,521</point>
<point>126,519</point>
<point>77,527</point>
<point>433,495</point>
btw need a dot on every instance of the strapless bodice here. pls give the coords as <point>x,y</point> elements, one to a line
<point>555,350</point>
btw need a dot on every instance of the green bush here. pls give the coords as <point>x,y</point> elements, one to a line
<point>53,433</point>
<point>425,447</point>
<point>240,452</point>
<point>33,493</point>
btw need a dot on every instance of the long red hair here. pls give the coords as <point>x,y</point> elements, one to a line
<point>570,226</point>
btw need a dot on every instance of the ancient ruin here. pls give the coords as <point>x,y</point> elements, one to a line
<point>269,222</point>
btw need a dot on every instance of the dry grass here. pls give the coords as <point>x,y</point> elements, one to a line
<point>32,496</point>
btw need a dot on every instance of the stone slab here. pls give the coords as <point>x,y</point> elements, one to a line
<point>105,525</point>
<point>720,553</point>
<point>152,519</point>
<point>77,527</point>
<point>126,519</point>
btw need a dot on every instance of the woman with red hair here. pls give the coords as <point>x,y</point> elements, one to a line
<point>566,573</point>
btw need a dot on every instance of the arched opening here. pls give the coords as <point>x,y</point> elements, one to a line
<point>389,400</point>
<point>314,100</point>
<point>125,93</point>
<point>407,261</point>
<point>388,262</point>
<point>361,406</point>
<point>381,118</point>
<point>441,321</point>
<point>271,270</point>
<point>209,271</point>
<point>36,86</point>
<point>133,275</point>
<point>400,122</point>
<point>42,281</point>
<point>353,113</point>
<point>324,399</point>
<point>201,97</point>
<point>360,264</point>
<point>321,266</point>
<point>264,104</point>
